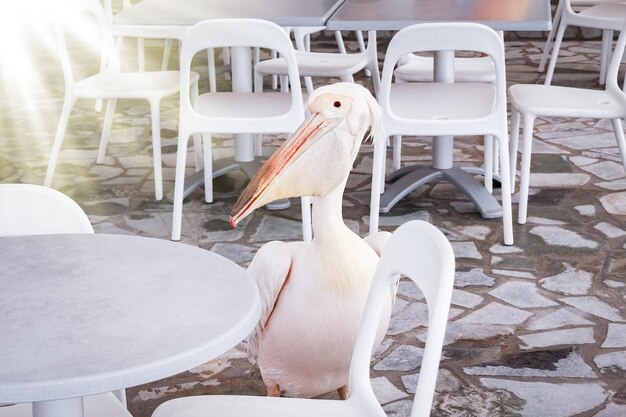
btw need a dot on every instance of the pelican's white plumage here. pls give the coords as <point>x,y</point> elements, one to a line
<point>313,293</point>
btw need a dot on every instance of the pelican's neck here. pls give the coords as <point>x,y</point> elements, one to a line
<point>327,214</point>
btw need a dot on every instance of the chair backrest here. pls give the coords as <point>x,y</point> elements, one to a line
<point>218,33</point>
<point>28,209</point>
<point>67,17</point>
<point>421,252</point>
<point>449,36</point>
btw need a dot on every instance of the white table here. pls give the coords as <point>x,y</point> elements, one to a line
<point>87,314</point>
<point>172,18</point>
<point>500,15</point>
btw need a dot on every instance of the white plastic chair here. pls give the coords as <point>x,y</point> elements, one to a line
<point>112,84</point>
<point>324,64</point>
<point>419,68</point>
<point>417,250</point>
<point>225,112</point>
<point>607,16</point>
<point>439,109</point>
<point>534,101</point>
<point>28,209</point>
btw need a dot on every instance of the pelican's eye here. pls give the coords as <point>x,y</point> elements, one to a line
<point>337,104</point>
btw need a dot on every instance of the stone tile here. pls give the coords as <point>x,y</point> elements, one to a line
<point>610,230</point>
<point>277,228</point>
<point>466,250</point>
<point>582,160</point>
<point>556,319</point>
<point>499,249</point>
<point>516,274</point>
<point>554,400</point>
<point>385,391</point>
<point>408,317</point>
<point>586,210</point>
<point>601,140</point>
<point>614,203</point>
<point>400,408</point>
<point>614,284</point>
<point>386,220</point>
<point>542,364</point>
<point>610,362</point>
<point>616,336</point>
<point>466,299</point>
<point>240,254</point>
<point>446,382</point>
<point>576,336</point>
<point>473,277</point>
<point>404,358</point>
<point>521,294</point>
<point>542,180</point>
<point>496,313</point>
<point>612,410</point>
<point>558,236</point>
<point>456,331</point>
<point>572,281</point>
<point>593,305</point>
<point>606,170</point>
<point>617,185</point>
<point>410,289</point>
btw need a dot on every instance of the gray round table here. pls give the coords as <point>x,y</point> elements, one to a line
<point>86,314</point>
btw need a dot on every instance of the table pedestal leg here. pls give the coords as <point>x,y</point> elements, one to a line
<point>70,407</point>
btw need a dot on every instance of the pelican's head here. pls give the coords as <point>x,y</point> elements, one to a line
<point>319,155</point>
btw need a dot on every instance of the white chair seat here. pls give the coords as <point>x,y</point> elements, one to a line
<point>131,84</point>
<point>244,105</point>
<point>419,68</point>
<point>316,64</point>
<point>556,101</point>
<point>438,101</point>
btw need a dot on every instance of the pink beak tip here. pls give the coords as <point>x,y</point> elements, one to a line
<point>232,222</point>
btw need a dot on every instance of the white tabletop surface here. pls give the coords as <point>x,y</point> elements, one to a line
<point>84,314</point>
<point>506,15</point>
<point>189,12</point>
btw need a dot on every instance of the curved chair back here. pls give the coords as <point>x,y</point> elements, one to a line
<point>28,209</point>
<point>220,33</point>
<point>422,253</point>
<point>426,37</point>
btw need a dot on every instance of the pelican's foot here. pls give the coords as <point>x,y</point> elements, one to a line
<point>273,390</point>
<point>343,392</point>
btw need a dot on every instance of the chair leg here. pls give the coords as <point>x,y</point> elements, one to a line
<point>307,230</point>
<point>211,65</point>
<point>515,118</point>
<point>555,53</point>
<point>555,24</point>
<point>197,140</point>
<point>274,55</point>
<point>507,215</point>
<point>378,178</point>
<point>207,150</point>
<point>106,129</point>
<point>488,162</point>
<point>397,151</point>
<point>619,137</point>
<point>68,104</point>
<point>141,55</point>
<point>605,54</point>
<point>156,149</point>
<point>166,54</point>
<point>361,42</point>
<point>529,121</point>
<point>340,44</point>
<point>308,82</point>
<point>179,184</point>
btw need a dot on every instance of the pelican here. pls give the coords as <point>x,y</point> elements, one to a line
<point>313,293</point>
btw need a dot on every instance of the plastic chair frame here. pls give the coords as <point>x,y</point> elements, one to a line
<point>417,250</point>
<point>445,37</point>
<point>612,92</point>
<point>227,33</point>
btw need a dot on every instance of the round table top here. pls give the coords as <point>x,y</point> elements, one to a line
<point>84,314</point>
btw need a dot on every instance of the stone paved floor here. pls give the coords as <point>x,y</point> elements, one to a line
<point>536,329</point>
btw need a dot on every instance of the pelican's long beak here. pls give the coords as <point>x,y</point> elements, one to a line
<point>256,194</point>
